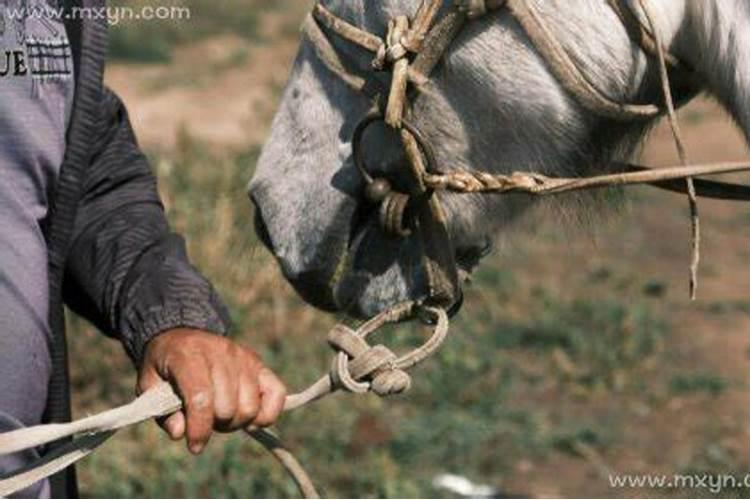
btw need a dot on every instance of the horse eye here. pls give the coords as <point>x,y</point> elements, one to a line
<point>470,257</point>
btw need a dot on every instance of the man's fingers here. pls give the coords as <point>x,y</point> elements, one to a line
<point>223,386</point>
<point>192,378</point>
<point>174,425</point>
<point>248,398</point>
<point>273,394</point>
<point>226,393</point>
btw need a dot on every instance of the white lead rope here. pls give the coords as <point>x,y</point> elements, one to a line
<point>90,433</point>
<point>157,402</point>
<point>93,431</point>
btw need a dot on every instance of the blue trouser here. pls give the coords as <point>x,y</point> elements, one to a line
<point>24,374</point>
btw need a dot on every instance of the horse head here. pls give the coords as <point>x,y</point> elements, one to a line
<point>491,104</point>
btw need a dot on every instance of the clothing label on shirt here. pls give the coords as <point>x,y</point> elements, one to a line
<point>34,45</point>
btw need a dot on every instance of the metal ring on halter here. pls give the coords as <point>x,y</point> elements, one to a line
<point>361,164</point>
<point>379,191</point>
<point>357,152</point>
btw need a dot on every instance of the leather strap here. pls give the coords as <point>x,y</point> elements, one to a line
<point>704,188</point>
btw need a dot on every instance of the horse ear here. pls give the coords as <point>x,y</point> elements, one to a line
<point>719,49</point>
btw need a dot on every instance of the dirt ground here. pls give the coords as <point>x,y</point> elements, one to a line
<point>216,101</point>
<point>230,107</point>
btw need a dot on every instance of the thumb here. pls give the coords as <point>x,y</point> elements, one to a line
<point>148,377</point>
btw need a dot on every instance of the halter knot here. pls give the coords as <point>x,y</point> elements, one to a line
<point>360,368</point>
<point>394,51</point>
<point>395,46</point>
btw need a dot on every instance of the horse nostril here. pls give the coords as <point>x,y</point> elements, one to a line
<point>261,230</point>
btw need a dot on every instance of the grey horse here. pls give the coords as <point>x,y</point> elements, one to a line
<point>492,105</point>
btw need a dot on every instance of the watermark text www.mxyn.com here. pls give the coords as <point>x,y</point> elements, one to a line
<point>713,483</point>
<point>113,14</point>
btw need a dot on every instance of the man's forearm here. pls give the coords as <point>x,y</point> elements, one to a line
<point>126,271</point>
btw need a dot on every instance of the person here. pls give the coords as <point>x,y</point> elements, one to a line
<point>82,225</point>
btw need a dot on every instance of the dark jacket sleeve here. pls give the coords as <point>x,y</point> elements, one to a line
<point>126,271</point>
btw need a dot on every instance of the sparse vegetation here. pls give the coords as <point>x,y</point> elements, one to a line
<point>460,416</point>
<point>691,383</point>
<point>570,356</point>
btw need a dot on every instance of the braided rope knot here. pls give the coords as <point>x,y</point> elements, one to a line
<point>389,54</point>
<point>361,368</point>
<point>396,45</point>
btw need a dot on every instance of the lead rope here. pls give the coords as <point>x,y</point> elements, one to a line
<point>357,367</point>
<point>674,125</point>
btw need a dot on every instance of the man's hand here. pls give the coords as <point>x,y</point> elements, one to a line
<point>223,385</point>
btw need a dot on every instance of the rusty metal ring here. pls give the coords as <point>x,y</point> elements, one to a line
<point>374,117</point>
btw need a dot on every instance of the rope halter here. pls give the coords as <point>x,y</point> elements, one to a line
<point>360,368</point>
<point>410,51</point>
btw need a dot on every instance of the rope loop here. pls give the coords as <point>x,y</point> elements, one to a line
<point>360,368</point>
<point>388,54</point>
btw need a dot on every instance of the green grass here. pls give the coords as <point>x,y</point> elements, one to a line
<point>698,382</point>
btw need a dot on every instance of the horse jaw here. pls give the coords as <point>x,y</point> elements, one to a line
<point>491,105</point>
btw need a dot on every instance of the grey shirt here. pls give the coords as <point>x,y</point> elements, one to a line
<point>36,96</point>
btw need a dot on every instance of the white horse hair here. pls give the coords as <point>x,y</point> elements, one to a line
<point>492,105</point>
